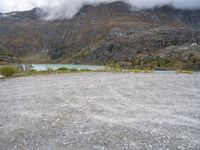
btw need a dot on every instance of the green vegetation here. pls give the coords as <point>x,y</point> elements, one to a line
<point>86,70</point>
<point>8,71</point>
<point>184,72</point>
<point>157,63</point>
<point>148,70</point>
<point>67,70</point>
<point>32,72</point>
<point>137,71</point>
<point>113,67</point>
<point>142,71</point>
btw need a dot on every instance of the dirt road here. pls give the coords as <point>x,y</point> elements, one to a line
<point>100,111</point>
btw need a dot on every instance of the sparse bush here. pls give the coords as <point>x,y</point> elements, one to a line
<point>8,71</point>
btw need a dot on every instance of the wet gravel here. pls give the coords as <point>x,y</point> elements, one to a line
<point>100,111</point>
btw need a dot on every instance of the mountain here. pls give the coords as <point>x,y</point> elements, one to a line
<point>162,37</point>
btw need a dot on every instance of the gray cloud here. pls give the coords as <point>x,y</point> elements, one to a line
<point>68,8</point>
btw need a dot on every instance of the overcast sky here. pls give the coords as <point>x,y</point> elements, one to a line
<point>67,8</point>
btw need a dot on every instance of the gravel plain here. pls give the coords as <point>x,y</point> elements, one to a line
<point>100,111</point>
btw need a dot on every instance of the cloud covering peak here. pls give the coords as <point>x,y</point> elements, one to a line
<point>68,8</point>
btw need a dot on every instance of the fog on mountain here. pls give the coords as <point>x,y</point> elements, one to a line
<point>68,8</point>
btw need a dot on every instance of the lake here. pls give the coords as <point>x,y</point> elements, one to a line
<point>44,67</point>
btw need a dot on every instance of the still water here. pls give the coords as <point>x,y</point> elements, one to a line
<point>44,67</point>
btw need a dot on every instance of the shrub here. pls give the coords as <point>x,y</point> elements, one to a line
<point>8,71</point>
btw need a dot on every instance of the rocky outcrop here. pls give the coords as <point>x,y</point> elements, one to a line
<point>34,14</point>
<point>4,59</point>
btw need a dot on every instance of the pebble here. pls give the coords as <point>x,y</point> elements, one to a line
<point>99,148</point>
<point>65,142</point>
<point>150,146</point>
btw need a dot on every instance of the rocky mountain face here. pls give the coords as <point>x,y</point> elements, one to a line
<point>163,37</point>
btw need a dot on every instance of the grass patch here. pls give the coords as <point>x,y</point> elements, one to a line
<point>8,71</point>
<point>109,69</point>
<point>117,69</point>
<point>86,70</point>
<point>184,72</point>
<point>136,71</point>
<point>142,71</point>
<point>148,71</point>
<point>66,70</point>
<point>32,72</point>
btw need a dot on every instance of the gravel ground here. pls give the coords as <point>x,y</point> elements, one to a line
<point>100,111</point>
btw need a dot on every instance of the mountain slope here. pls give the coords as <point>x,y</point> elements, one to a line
<point>160,37</point>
